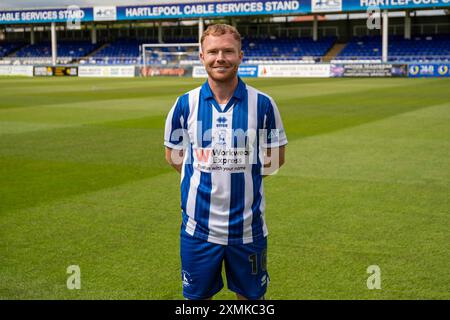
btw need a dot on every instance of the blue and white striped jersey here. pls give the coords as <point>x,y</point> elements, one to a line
<point>222,195</point>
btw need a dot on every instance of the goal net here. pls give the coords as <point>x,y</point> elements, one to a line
<point>168,58</point>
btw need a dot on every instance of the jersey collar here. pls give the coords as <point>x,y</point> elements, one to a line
<point>238,94</point>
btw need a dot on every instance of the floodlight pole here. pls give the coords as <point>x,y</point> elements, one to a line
<point>407,25</point>
<point>385,36</point>
<point>201,27</point>
<point>94,34</point>
<point>54,53</point>
<point>32,35</point>
<point>315,28</point>
<point>160,33</point>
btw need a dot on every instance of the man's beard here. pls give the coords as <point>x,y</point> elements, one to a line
<point>230,75</point>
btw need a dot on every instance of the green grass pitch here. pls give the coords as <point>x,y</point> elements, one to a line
<point>84,182</point>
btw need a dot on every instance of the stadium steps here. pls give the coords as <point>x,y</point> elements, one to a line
<point>91,54</point>
<point>13,53</point>
<point>333,52</point>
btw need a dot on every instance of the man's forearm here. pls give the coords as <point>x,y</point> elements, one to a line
<point>175,158</point>
<point>273,160</point>
<point>177,167</point>
<point>270,170</point>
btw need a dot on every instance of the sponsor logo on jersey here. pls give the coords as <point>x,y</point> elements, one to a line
<point>221,122</point>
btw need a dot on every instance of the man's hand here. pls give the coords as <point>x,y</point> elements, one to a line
<point>273,160</point>
<point>175,158</point>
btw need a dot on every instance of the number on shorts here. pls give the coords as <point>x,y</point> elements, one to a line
<point>254,261</point>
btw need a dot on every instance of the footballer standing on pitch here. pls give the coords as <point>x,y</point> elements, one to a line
<point>223,137</point>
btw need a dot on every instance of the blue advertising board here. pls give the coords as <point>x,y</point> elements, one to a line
<point>46,16</point>
<point>245,71</point>
<point>190,10</point>
<point>248,71</point>
<point>429,70</point>
<point>362,5</point>
<point>212,9</point>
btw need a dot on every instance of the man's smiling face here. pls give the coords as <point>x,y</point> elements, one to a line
<point>221,56</point>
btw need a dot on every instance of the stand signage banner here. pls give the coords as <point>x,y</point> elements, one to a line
<point>192,9</point>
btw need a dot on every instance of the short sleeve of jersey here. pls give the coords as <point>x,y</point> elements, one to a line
<point>175,129</point>
<point>274,135</point>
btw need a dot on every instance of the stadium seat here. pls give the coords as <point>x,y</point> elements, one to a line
<point>285,49</point>
<point>7,48</point>
<point>65,49</point>
<point>417,49</point>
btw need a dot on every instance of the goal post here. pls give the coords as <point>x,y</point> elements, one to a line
<point>174,55</point>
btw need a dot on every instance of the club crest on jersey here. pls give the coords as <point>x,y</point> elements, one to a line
<point>221,136</point>
<point>186,278</point>
<point>221,122</point>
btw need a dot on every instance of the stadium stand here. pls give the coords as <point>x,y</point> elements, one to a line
<point>258,48</point>
<point>8,48</point>
<point>123,51</point>
<point>283,49</point>
<point>70,49</point>
<point>424,48</point>
<point>127,51</point>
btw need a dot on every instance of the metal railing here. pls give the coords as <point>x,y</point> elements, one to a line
<point>167,61</point>
<point>36,61</point>
<point>438,58</point>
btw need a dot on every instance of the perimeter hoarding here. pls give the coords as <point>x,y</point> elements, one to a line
<point>245,71</point>
<point>368,70</point>
<point>153,71</point>
<point>294,70</point>
<point>424,70</point>
<point>106,71</point>
<point>16,71</point>
<point>59,71</point>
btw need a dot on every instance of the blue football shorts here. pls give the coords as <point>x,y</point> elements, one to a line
<point>201,267</point>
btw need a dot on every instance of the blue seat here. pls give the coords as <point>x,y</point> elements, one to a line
<point>430,48</point>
